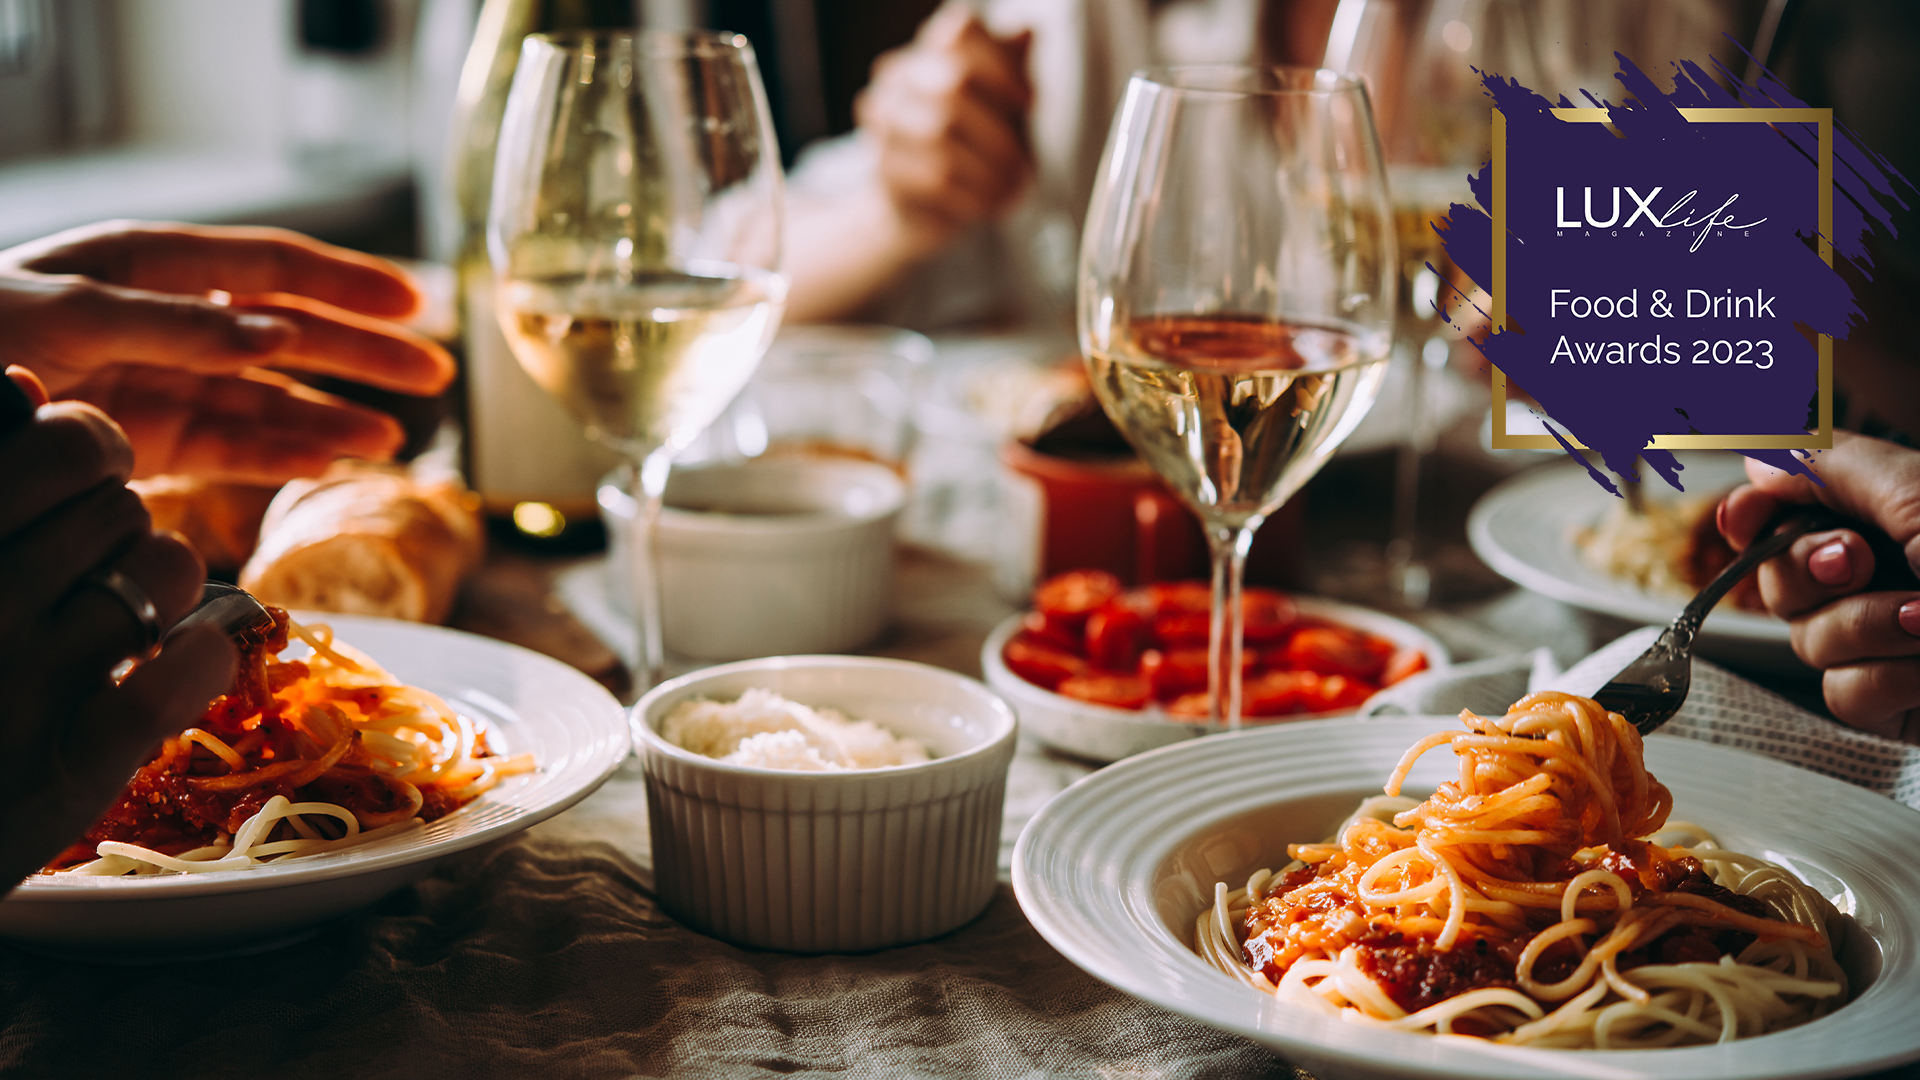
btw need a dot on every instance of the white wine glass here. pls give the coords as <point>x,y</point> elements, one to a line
<point>635,233</point>
<point>1236,304</point>
<point>1423,62</point>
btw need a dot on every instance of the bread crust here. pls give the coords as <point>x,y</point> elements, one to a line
<point>367,541</point>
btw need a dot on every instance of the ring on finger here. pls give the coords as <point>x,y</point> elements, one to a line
<point>138,604</point>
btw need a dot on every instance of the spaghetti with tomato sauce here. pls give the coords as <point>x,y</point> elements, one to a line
<point>299,757</point>
<point>1531,902</point>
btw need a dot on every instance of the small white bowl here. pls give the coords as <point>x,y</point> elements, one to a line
<point>1103,733</point>
<point>768,557</point>
<point>831,861</point>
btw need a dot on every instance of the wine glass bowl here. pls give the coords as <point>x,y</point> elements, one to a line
<point>1237,283</point>
<point>634,233</point>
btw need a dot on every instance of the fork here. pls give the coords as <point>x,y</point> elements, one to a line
<point>1654,686</point>
<point>234,610</point>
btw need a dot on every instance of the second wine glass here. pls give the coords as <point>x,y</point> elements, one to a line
<point>1237,282</point>
<point>635,239</point>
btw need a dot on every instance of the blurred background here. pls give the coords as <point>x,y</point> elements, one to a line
<point>327,116</point>
<point>336,118</point>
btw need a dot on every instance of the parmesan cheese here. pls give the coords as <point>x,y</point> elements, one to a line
<point>764,730</point>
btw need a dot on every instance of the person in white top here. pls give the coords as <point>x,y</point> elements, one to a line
<point>959,198</point>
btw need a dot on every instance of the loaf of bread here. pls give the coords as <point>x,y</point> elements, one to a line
<point>365,540</point>
<point>221,521</point>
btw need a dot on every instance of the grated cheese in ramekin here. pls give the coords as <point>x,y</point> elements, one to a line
<point>765,730</point>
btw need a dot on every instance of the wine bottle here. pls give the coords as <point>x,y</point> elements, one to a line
<point>534,469</point>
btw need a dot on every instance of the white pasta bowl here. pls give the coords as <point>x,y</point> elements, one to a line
<point>1115,870</point>
<point>530,703</point>
<point>846,861</point>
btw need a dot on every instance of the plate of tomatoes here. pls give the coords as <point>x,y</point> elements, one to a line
<point>1104,671</point>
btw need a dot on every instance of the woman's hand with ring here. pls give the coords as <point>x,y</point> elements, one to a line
<point>1850,596</point>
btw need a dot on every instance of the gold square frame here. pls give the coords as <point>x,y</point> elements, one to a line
<point>1820,439</point>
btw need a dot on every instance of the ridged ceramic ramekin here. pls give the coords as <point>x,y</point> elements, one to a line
<point>831,861</point>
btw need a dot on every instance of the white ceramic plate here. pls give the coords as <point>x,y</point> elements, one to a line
<point>1115,869</point>
<point>531,703</point>
<point>1524,529</point>
<point>1100,733</point>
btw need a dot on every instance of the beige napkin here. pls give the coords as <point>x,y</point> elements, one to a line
<point>1721,708</point>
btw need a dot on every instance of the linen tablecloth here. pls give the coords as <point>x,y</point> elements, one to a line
<point>546,956</point>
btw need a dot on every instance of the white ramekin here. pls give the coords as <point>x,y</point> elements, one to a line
<point>831,861</point>
<point>769,557</point>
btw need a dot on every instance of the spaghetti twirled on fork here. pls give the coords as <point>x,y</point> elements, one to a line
<point>1527,901</point>
<point>299,757</point>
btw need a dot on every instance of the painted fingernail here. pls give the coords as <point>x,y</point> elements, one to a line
<point>261,333</point>
<point>1910,617</point>
<point>1720,517</point>
<point>1830,565</point>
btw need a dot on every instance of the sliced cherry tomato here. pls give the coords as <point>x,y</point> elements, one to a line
<point>1183,629</point>
<point>1039,662</point>
<point>1054,631</point>
<point>1173,672</point>
<point>1405,663</point>
<point>1070,597</point>
<point>1334,650</point>
<point>1189,707</point>
<point>1268,617</point>
<point>1116,691</point>
<point>1278,693</point>
<point>1183,618</point>
<point>1179,597</point>
<point>1337,693</point>
<point>1116,634</point>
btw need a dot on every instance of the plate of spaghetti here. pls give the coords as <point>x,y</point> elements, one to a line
<point>1553,530</point>
<point>321,780</point>
<point>1518,895</point>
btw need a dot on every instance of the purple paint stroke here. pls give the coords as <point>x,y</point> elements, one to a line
<point>1591,374</point>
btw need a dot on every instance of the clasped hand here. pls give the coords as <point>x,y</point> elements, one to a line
<point>948,116</point>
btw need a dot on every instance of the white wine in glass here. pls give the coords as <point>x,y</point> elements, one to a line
<point>640,361</point>
<point>635,240</point>
<point>1237,282</point>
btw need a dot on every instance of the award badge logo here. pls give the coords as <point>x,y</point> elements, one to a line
<point>1661,272</point>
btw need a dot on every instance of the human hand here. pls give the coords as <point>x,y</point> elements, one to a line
<point>948,115</point>
<point>123,315</point>
<point>1851,599</point>
<point>69,736</point>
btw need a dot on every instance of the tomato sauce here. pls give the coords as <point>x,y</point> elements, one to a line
<point>1415,974</point>
<point>167,805</point>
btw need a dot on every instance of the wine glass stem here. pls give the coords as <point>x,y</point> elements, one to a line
<point>1229,546</point>
<point>1402,550</point>
<point>649,485</point>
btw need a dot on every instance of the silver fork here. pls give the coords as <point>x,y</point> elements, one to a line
<point>1652,688</point>
<point>233,610</point>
